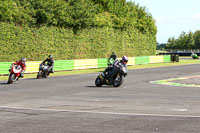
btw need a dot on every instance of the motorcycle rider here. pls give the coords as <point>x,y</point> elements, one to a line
<point>50,63</point>
<point>111,60</point>
<point>116,67</point>
<point>194,56</point>
<point>22,63</point>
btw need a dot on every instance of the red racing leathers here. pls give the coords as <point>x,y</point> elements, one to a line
<point>23,65</point>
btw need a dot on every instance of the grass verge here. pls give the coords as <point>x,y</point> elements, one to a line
<point>182,62</point>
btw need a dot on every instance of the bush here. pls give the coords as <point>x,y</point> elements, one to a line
<point>37,43</point>
<point>74,29</point>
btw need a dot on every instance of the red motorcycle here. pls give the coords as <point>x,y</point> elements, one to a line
<point>14,73</point>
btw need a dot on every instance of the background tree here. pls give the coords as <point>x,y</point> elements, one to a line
<point>160,46</point>
<point>75,29</point>
<point>197,39</point>
<point>184,41</point>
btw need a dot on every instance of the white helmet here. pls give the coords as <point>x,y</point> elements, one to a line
<point>124,59</point>
<point>23,60</point>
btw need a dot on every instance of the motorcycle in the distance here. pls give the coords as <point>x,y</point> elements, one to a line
<point>195,56</point>
<point>14,73</point>
<point>44,71</point>
<point>118,77</point>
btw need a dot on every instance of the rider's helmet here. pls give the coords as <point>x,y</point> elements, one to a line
<point>124,59</point>
<point>113,56</point>
<point>50,57</point>
<point>23,60</point>
<point>113,53</point>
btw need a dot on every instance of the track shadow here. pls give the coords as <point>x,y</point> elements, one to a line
<point>107,86</point>
<point>38,79</point>
<point>30,79</point>
<point>4,83</point>
<point>91,86</point>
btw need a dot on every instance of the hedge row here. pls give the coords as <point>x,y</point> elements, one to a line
<point>63,44</point>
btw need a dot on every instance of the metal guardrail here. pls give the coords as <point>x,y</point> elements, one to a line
<point>183,50</point>
<point>62,65</point>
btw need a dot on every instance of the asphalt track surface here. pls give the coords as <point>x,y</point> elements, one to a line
<point>72,104</point>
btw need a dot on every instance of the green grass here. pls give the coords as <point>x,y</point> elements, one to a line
<point>182,62</point>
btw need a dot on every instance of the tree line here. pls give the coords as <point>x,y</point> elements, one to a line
<point>77,14</point>
<point>74,29</point>
<point>189,40</point>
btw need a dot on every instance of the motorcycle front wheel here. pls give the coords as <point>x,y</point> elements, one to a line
<point>39,74</point>
<point>11,79</point>
<point>46,74</point>
<point>118,80</point>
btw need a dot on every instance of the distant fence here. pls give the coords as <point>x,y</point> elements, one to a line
<point>62,65</point>
<point>181,52</point>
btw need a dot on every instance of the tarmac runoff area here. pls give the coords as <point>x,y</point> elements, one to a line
<point>163,100</point>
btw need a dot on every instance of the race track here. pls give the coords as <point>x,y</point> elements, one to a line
<point>72,104</point>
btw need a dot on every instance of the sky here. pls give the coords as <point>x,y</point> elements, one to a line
<point>173,16</point>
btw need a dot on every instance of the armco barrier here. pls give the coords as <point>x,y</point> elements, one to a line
<point>167,58</point>
<point>33,66</point>
<point>102,62</point>
<point>131,61</point>
<point>156,59</point>
<point>142,60</point>
<point>85,63</point>
<point>4,67</point>
<point>64,65</point>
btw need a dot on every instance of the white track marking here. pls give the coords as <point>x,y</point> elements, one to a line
<point>96,112</point>
<point>181,110</point>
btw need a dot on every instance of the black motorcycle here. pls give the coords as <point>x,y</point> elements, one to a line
<point>116,79</point>
<point>44,71</point>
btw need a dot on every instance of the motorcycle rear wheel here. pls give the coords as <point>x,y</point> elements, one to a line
<point>98,82</point>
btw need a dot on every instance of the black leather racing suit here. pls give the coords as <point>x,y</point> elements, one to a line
<point>110,66</point>
<point>113,70</point>
<point>50,63</point>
